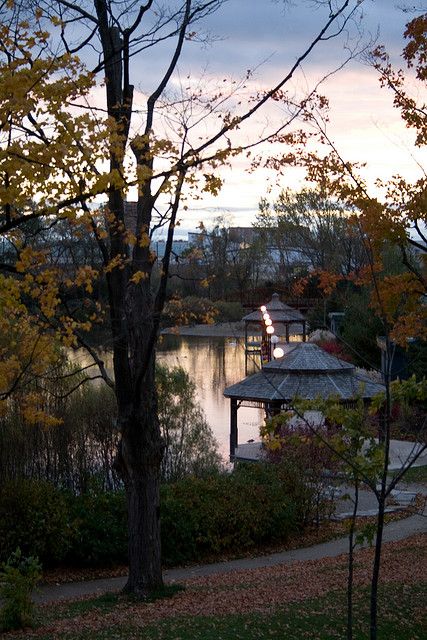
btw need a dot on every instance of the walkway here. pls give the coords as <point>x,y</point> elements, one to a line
<point>392,532</point>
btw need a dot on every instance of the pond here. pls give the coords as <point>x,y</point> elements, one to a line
<point>213,364</point>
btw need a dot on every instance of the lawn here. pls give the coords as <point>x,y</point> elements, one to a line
<point>320,619</point>
<point>290,602</point>
<point>416,474</point>
<point>401,618</point>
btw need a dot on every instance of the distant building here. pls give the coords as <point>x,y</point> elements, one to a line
<point>158,246</point>
<point>178,248</point>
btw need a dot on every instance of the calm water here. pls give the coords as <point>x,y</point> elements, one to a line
<point>213,364</point>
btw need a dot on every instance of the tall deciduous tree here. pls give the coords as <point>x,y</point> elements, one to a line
<point>123,35</point>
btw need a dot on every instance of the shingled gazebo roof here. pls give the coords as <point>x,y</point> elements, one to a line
<point>279,312</point>
<point>305,372</point>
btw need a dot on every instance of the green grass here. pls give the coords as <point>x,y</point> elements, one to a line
<point>416,474</point>
<point>320,619</point>
<point>400,618</point>
<point>105,603</point>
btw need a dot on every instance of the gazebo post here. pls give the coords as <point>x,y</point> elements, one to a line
<point>233,427</point>
<point>246,348</point>
<point>304,334</point>
<point>287,332</point>
<point>272,408</point>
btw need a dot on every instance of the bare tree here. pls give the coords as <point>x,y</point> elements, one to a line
<point>312,230</point>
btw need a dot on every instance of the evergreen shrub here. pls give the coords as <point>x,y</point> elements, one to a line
<point>18,578</point>
<point>200,517</point>
<point>99,528</point>
<point>33,517</point>
<point>229,311</point>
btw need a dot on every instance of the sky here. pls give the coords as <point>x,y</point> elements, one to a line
<point>267,36</point>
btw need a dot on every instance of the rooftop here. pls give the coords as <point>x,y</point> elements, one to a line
<point>305,372</point>
<point>279,312</point>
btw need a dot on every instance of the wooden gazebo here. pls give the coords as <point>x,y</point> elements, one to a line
<point>305,372</point>
<point>283,318</point>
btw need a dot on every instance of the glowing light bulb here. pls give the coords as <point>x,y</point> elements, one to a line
<point>278,352</point>
<point>274,339</point>
<point>270,329</point>
<point>266,316</point>
<point>263,308</point>
<point>268,322</point>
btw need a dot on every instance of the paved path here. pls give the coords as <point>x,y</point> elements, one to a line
<point>394,531</point>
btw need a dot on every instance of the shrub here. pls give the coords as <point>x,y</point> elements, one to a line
<point>190,447</point>
<point>99,528</point>
<point>18,578</point>
<point>334,348</point>
<point>229,311</point>
<point>195,310</point>
<point>65,454</point>
<point>228,512</point>
<point>200,517</point>
<point>189,310</point>
<point>33,516</point>
<point>298,448</point>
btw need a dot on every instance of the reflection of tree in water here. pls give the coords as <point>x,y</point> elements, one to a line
<point>213,364</point>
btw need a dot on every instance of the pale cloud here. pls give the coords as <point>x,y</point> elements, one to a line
<point>262,35</point>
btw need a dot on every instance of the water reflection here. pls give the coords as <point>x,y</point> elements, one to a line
<point>213,364</point>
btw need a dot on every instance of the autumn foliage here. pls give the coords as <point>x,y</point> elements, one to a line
<point>396,213</point>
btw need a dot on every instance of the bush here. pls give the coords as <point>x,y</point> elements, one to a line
<point>18,578</point>
<point>190,446</point>
<point>200,517</point>
<point>195,310</point>
<point>334,349</point>
<point>33,516</point>
<point>65,454</point>
<point>206,516</point>
<point>298,448</point>
<point>188,311</point>
<point>99,528</point>
<point>229,311</point>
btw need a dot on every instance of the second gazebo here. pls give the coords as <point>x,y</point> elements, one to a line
<point>283,318</point>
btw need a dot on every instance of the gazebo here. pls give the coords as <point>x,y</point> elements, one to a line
<point>282,316</point>
<point>305,372</point>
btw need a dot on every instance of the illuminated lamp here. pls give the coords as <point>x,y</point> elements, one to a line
<point>274,339</point>
<point>270,329</point>
<point>263,308</point>
<point>278,352</point>
<point>266,316</point>
<point>268,322</point>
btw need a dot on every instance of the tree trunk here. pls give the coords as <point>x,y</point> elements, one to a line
<point>351,547</point>
<point>139,460</point>
<point>376,569</point>
<point>143,501</point>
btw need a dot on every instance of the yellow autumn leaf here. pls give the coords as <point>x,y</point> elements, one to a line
<point>138,276</point>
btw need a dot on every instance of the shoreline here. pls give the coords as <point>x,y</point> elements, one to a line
<point>216,330</point>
